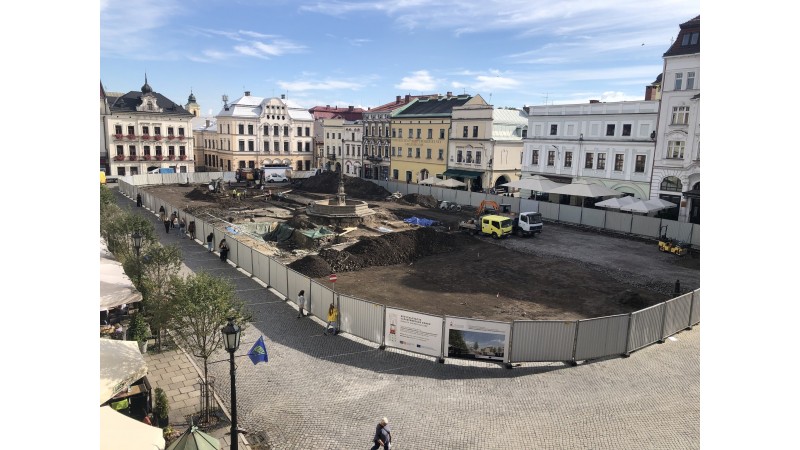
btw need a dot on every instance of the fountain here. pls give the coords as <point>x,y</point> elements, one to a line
<point>339,211</point>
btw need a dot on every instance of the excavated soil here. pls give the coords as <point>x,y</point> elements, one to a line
<point>439,272</point>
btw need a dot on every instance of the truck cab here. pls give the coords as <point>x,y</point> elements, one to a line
<point>528,224</point>
<point>496,226</point>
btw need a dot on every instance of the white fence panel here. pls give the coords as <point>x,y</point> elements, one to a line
<point>542,340</point>
<point>676,315</point>
<point>462,197</point>
<point>695,317</point>
<point>645,226</point>
<point>603,336</point>
<point>361,318</point>
<point>234,245</point>
<point>526,205</point>
<point>593,217</point>
<point>299,282</point>
<point>278,278</point>
<point>244,254</point>
<point>645,327</point>
<point>320,298</point>
<point>549,210</point>
<point>695,235</point>
<point>569,213</point>
<point>447,194</point>
<point>618,221</point>
<point>673,230</point>
<point>261,266</point>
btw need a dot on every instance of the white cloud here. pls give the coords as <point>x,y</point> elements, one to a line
<point>319,85</point>
<point>420,80</point>
<point>132,31</point>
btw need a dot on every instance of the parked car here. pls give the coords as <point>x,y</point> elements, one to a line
<point>276,178</point>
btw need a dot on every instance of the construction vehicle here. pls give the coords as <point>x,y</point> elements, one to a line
<point>488,225</point>
<point>449,206</point>
<point>527,224</point>
<point>487,207</point>
<point>673,246</point>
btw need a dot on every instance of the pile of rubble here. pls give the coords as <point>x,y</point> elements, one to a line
<point>328,183</point>
<point>384,250</point>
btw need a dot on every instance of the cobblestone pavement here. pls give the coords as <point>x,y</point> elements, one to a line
<point>328,392</point>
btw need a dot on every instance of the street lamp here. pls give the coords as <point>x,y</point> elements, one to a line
<point>232,333</point>
<point>137,245</point>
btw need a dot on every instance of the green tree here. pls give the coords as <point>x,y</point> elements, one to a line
<point>202,304</point>
<point>159,265</point>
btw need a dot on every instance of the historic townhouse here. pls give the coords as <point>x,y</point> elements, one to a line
<point>485,146</point>
<point>377,139</point>
<point>676,169</point>
<point>607,143</point>
<point>143,130</point>
<point>253,131</point>
<point>352,139</point>
<point>326,145</point>
<point>420,133</point>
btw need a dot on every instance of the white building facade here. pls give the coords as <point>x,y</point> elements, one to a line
<point>143,130</point>
<point>610,144</point>
<point>676,169</point>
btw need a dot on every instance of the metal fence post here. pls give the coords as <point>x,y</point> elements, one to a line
<point>663,323</point>
<point>440,360</point>
<point>509,364</point>
<point>691,308</point>
<point>573,362</point>
<point>628,336</point>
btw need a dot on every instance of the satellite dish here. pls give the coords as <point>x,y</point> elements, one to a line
<point>211,187</point>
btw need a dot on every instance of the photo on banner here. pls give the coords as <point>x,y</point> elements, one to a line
<point>415,332</point>
<point>477,339</point>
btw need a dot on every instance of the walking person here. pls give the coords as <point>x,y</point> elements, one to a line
<point>182,225</point>
<point>223,250</point>
<point>301,302</point>
<point>174,219</point>
<point>166,221</point>
<point>333,319</point>
<point>383,435</point>
<point>210,242</point>
<point>191,229</point>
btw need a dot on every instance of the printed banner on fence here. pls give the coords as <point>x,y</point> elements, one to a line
<point>414,332</point>
<point>476,339</point>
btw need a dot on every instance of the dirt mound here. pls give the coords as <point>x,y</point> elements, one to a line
<point>328,183</point>
<point>633,299</point>
<point>427,201</point>
<point>200,193</point>
<point>301,221</point>
<point>385,250</point>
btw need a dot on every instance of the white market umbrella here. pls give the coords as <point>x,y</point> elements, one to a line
<point>640,206</point>
<point>659,203</point>
<point>115,286</point>
<point>120,432</point>
<point>451,183</point>
<point>121,364</point>
<point>582,188</point>
<point>431,180</point>
<point>616,202</point>
<point>536,183</point>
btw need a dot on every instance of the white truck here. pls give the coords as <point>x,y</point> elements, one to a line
<point>527,224</point>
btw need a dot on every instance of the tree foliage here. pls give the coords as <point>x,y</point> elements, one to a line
<point>159,265</point>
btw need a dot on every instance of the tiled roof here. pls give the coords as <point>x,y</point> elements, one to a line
<point>433,106</point>
<point>327,112</point>
<point>687,29</point>
<point>129,102</point>
<point>399,101</point>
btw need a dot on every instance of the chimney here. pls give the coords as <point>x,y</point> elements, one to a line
<point>283,96</point>
<point>349,109</point>
<point>208,123</point>
<point>527,109</point>
<point>648,92</point>
<point>328,106</point>
<point>247,93</point>
<point>449,94</point>
<point>594,101</point>
<point>408,98</point>
<point>397,100</point>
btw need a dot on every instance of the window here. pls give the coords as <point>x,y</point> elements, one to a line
<point>251,146</point>
<point>131,129</point>
<point>690,38</point>
<point>286,131</point>
<point>286,147</point>
<point>299,131</point>
<point>117,129</point>
<point>430,133</point>
<point>441,154</point>
<point>626,129</point>
<point>145,129</point>
<point>428,153</point>
<point>241,146</point>
<point>308,148</point>
<point>610,128</point>
<point>601,161</point>
<point>275,131</point>
<point>241,129</point>
<point>394,132</point>
<point>419,133</point>
<point>171,150</point>
<point>121,171</point>
<point>680,115</point>
<point>619,160</point>
<point>132,150</point>
<point>395,173</point>
<point>409,152</point>
<point>266,130</point>
<point>690,80</point>
<point>469,157</point>
<point>411,133</point>
<point>675,149</point>
<point>300,146</point>
<point>249,129</point>
<point>639,166</point>
<point>276,146</point>
<point>459,156</point>
<point>671,184</point>
<point>418,153</point>
<point>158,150</point>
<point>678,81</point>
<point>120,150</point>
<point>466,131</point>
<point>400,133</point>
<point>553,130</point>
<point>441,133</point>
<point>589,161</point>
<point>266,146</point>
<point>477,157</point>
<point>393,151</point>
<point>308,131</point>
<point>147,150</point>
<point>474,131</point>
<point>567,159</point>
<point>551,158</point>
<point>535,157</point>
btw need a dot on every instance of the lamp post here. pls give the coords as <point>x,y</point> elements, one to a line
<point>232,333</point>
<point>137,245</point>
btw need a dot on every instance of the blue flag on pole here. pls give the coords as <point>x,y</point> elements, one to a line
<point>259,351</point>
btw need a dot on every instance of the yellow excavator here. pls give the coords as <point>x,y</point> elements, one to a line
<point>487,207</point>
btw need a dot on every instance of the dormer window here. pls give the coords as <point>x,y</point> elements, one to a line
<point>690,38</point>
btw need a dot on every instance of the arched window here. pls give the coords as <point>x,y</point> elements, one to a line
<point>671,184</point>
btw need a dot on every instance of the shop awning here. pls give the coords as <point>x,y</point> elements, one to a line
<point>120,432</point>
<point>462,173</point>
<point>121,365</point>
<point>115,286</point>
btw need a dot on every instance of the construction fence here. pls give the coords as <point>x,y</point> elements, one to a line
<point>443,336</point>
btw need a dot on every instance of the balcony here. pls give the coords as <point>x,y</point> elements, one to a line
<point>374,158</point>
<point>172,157</point>
<point>118,136</point>
<point>157,137</point>
<point>132,158</point>
<point>119,158</point>
<point>147,157</point>
<point>159,157</point>
<point>181,137</point>
<point>131,137</point>
<point>171,137</point>
<point>183,157</point>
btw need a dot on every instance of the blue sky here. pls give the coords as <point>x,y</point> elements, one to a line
<point>511,52</point>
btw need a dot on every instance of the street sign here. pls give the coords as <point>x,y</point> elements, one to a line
<point>332,278</point>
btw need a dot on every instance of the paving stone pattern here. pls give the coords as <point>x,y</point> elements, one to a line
<point>328,392</point>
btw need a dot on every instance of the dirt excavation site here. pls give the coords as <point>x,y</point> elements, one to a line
<point>564,273</point>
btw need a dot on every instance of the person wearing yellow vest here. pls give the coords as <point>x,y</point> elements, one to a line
<point>333,318</point>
